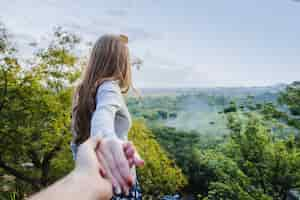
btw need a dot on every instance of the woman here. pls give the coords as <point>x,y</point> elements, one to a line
<point>99,110</point>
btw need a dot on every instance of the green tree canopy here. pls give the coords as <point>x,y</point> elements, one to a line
<point>160,174</point>
<point>35,110</point>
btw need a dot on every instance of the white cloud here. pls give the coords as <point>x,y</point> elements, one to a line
<point>185,45</point>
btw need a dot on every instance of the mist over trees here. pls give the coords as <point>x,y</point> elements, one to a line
<point>258,159</point>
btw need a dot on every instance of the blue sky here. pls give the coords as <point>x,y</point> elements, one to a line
<point>192,43</point>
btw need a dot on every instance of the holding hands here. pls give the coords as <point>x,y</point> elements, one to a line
<point>117,158</point>
<point>91,164</point>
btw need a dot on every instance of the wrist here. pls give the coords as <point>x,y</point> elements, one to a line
<point>95,186</point>
<point>106,135</point>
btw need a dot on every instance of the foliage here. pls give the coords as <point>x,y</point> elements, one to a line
<point>231,108</point>
<point>272,165</point>
<point>35,113</point>
<point>252,162</point>
<point>291,97</point>
<point>160,174</point>
<point>183,147</point>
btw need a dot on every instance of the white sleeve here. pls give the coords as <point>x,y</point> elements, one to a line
<point>108,103</point>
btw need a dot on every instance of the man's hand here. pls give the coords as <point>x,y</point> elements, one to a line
<point>89,169</point>
<point>117,158</point>
<point>84,182</point>
<point>87,161</point>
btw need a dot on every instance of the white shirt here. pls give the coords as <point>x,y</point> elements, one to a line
<point>111,117</point>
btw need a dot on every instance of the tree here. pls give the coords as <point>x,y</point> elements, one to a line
<point>271,164</point>
<point>160,174</point>
<point>291,98</point>
<point>35,111</point>
<point>251,163</point>
<point>181,146</point>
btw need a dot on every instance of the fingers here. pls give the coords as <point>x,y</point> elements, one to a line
<point>115,171</point>
<point>108,173</point>
<point>117,158</point>
<point>129,151</point>
<point>95,141</point>
<point>137,160</point>
<point>132,154</point>
<point>130,162</point>
<point>122,165</point>
<point>102,164</point>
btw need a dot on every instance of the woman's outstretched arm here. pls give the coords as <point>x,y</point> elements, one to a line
<point>84,182</point>
<point>116,154</point>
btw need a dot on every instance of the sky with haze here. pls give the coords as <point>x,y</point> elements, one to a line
<point>187,43</point>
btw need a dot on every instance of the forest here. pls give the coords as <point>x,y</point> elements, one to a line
<point>204,144</point>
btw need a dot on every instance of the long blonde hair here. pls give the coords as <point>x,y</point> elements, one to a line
<point>109,60</point>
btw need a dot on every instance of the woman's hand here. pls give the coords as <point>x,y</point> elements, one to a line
<point>132,155</point>
<point>117,158</point>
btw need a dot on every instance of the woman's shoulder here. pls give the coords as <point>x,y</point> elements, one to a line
<point>109,92</point>
<point>109,85</point>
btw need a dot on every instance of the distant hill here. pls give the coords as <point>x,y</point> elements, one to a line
<point>226,91</point>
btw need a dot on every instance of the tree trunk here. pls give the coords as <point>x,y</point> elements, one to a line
<point>45,181</point>
<point>34,182</point>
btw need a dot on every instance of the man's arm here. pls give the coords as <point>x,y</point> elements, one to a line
<point>84,182</point>
<point>75,187</point>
